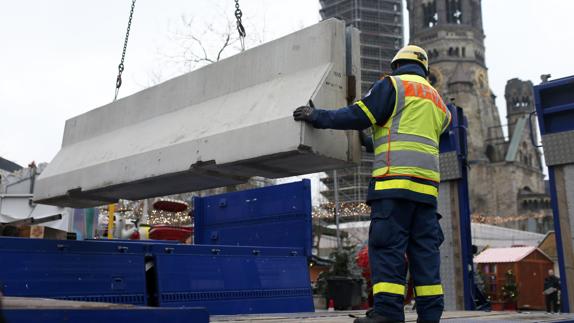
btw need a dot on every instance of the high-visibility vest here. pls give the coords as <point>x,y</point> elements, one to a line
<point>407,145</point>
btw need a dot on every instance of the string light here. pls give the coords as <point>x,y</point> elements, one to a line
<point>132,210</point>
<point>489,219</point>
<point>346,209</point>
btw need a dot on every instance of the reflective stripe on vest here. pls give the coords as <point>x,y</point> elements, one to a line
<point>407,144</point>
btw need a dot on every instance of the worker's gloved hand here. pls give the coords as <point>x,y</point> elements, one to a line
<point>366,141</point>
<point>364,138</point>
<point>304,113</point>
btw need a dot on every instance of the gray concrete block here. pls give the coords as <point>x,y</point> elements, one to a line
<point>448,254</point>
<point>213,127</point>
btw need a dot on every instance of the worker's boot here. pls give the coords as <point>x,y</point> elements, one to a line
<point>374,317</point>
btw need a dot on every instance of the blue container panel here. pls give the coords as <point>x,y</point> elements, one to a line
<point>73,246</point>
<point>449,139</point>
<point>557,94</point>
<point>555,105</point>
<point>275,216</point>
<point>47,271</point>
<point>235,284</point>
<point>111,315</point>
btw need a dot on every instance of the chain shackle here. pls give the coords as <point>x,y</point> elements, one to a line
<point>118,81</point>
<point>240,28</point>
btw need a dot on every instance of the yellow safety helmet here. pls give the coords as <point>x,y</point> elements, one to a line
<point>412,53</point>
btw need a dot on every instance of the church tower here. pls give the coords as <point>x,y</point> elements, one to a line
<point>451,32</point>
<point>505,171</point>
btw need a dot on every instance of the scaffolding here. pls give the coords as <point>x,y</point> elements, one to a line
<point>381,26</point>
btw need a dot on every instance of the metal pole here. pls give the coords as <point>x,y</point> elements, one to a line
<point>336,188</point>
<point>35,221</point>
<point>145,212</point>
<point>111,211</point>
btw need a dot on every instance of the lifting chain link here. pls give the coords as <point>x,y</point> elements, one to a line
<point>121,66</point>
<point>240,28</point>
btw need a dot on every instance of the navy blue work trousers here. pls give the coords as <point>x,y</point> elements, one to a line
<point>402,227</point>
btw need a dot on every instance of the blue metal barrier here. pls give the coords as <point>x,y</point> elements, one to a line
<point>234,280</point>
<point>270,275</point>
<point>555,110</point>
<point>73,270</point>
<point>257,261</point>
<point>274,216</point>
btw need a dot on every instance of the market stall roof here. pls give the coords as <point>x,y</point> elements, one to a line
<point>504,255</point>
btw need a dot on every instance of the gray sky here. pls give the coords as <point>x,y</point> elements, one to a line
<point>59,58</point>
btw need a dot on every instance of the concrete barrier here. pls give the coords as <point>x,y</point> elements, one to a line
<point>213,127</point>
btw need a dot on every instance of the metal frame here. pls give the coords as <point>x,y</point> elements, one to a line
<point>453,154</point>
<point>464,205</point>
<point>551,121</point>
<point>260,265</point>
<point>564,304</point>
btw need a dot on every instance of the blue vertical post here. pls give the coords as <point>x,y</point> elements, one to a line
<point>555,110</point>
<point>453,165</point>
<point>464,209</point>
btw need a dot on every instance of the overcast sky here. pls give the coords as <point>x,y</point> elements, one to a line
<point>59,58</point>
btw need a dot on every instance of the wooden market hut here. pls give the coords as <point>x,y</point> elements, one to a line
<point>528,264</point>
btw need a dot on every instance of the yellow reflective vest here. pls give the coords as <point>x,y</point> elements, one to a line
<point>406,147</point>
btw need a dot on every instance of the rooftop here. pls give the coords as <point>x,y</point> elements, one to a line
<point>8,166</point>
<point>504,255</point>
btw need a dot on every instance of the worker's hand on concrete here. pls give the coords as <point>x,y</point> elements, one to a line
<point>304,113</point>
<point>366,141</point>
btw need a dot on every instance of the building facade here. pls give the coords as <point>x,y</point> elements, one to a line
<point>505,166</point>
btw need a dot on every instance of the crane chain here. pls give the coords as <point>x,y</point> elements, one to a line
<point>121,66</point>
<point>240,28</point>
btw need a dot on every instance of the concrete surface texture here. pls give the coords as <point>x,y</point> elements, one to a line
<point>564,181</point>
<point>213,127</point>
<point>450,259</point>
<point>346,317</point>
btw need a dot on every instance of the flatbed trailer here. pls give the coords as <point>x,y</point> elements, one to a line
<point>347,317</point>
<point>44,310</point>
<point>21,309</point>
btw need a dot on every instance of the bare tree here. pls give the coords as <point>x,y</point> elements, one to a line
<point>194,43</point>
<point>199,46</point>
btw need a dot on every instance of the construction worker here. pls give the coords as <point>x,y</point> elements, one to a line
<point>406,116</point>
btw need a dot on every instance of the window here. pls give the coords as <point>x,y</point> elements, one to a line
<point>453,12</point>
<point>432,79</point>
<point>492,283</point>
<point>430,15</point>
